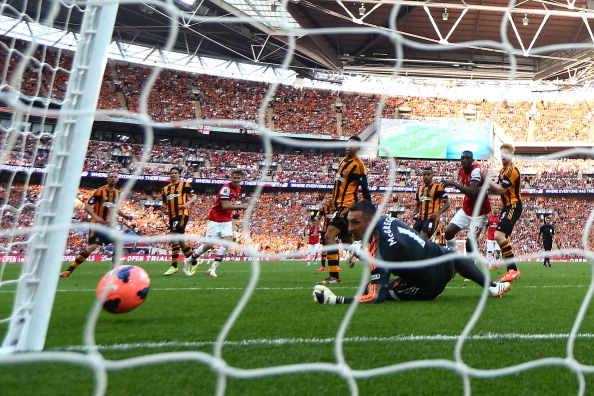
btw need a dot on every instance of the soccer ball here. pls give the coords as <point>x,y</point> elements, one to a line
<point>123,288</point>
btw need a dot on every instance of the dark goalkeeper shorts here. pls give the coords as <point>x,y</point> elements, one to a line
<point>548,245</point>
<point>177,225</point>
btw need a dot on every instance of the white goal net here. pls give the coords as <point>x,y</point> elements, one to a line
<point>54,93</point>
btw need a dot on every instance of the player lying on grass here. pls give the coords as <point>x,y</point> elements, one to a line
<point>395,242</point>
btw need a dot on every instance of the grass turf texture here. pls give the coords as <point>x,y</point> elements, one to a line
<point>281,325</point>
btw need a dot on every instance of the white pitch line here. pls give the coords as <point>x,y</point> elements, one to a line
<point>294,341</point>
<point>302,288</point>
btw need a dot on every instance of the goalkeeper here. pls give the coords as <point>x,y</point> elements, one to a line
<point>395,242</point>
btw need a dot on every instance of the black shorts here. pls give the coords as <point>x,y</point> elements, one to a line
<point>340,220</point>
<point>548,245</point>
<point>435,279</point>
<point>99,238</point>
<point>177,225</point>
<point>427,226</point>
<point>509,217</point>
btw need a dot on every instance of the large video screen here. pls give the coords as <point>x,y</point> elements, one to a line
<point>434,139</point>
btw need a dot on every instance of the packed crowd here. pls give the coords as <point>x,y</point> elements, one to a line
<point>320,168</point>
<point>282,214</point>
<point>177,96</point>
<point>124,156</point>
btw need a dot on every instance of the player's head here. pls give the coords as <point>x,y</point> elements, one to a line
<point>352,147</point>
<point>495,211</point>
<point>548,219</point>
<point>175,173</point>
<point>112,179</point>
<point>467,159</point>
<point>236,177</point>
<point>507,151</point>
<point>427,175</point>
<point>359,216</point>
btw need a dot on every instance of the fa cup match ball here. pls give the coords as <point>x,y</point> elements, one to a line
<point>123,288</point>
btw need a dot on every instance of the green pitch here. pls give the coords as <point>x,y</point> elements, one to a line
<point>282,326</point>
<point>421,142</point>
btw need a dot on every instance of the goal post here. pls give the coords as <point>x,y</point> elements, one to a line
<point>39,276</point>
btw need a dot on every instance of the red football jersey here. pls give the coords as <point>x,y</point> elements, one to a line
<point>469,202</point>
<point>492,227</point>
<point>314,236</point>
<point>226,193</point>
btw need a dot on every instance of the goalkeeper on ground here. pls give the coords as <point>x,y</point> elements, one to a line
<point>397,243</point>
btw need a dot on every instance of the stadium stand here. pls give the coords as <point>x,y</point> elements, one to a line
<point>178,96</point>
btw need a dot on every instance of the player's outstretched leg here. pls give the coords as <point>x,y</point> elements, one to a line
<point>175,249</point>
<point>219,257</point>
<point>333,259</point>
<point>469,270</point>
<point>81,258</point>
<point>513,272</point>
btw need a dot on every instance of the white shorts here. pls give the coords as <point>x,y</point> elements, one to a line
<point>312,248</point>
<point>492,246</point>
<point>215,229</point>
<point>475,224</point>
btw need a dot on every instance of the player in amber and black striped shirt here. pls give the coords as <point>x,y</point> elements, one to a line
<point>101,208</point>
<point>508,186</point>
<point>177,197</point>
<point>432,201</point>
<point>351,175</point>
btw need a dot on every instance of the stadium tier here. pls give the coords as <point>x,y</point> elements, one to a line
<point>179,96</point>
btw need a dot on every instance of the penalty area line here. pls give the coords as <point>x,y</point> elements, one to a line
<point>313,341</point>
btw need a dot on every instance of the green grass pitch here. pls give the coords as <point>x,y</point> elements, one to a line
<point>282,326</point>
<point>422,142</point>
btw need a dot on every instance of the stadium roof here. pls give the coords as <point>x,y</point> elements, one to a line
<point>456,39</point>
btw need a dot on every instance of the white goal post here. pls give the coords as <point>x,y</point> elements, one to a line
<point>39,278</point>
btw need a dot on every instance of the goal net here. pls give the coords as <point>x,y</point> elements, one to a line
<point>53,90</point>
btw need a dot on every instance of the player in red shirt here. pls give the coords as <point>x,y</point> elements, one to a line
<point>219,225</point>
<point>471,180</point>
<point>313,241</point>
<point>493,248</point>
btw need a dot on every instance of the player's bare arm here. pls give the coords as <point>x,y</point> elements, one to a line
<point>496,188</point>
<point>444,207</point>
<point>471,190</point>
<point>189,202</point>
<point>126,216</point>
<point>226,205</point>
<point>90,211</point>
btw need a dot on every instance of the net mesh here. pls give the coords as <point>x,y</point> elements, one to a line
<point>34,84</point>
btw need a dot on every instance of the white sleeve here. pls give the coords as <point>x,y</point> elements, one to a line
<point>476,176</point>
<point>224,193</point>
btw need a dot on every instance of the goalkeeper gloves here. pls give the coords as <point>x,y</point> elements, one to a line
<point>323,295</point>
<point>353,250</point>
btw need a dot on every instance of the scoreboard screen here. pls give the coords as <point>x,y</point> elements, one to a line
<point>434,139</point>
